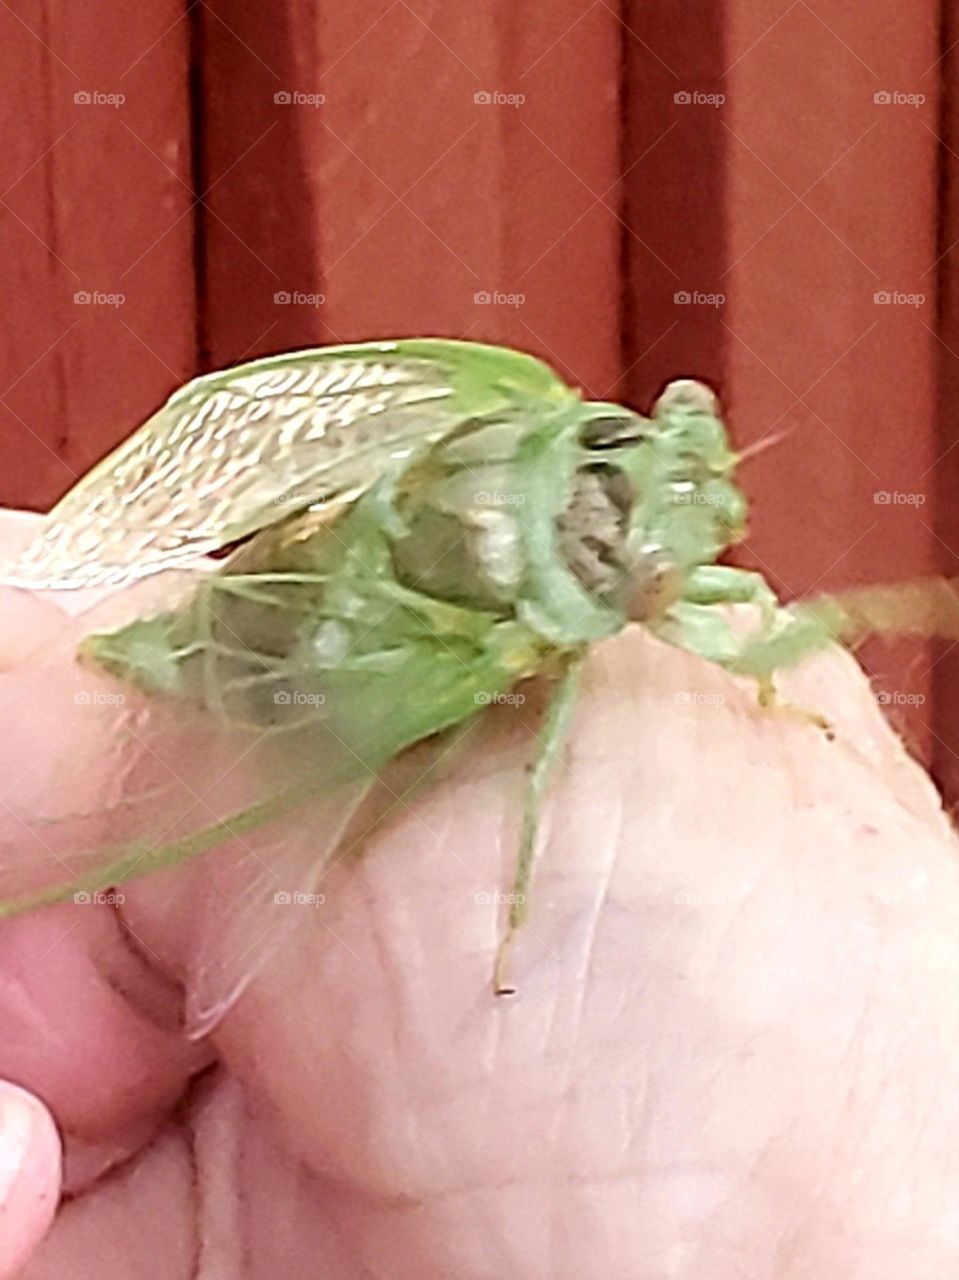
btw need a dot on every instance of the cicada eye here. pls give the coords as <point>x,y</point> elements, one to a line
<point>614,431</point>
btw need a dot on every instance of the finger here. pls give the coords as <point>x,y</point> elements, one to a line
<point>17,529</point>
<point>89,1026</point>
<point>86,1020</point>
<point>29,1176</point>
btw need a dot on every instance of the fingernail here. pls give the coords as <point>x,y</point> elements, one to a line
<point>30,1158</point>
<point>16,1131</point>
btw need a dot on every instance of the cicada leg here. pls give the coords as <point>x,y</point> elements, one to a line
<point>783,637</point>
<point>552,738</point>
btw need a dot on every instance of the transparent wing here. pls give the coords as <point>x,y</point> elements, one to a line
<point>162,786</point>
<point>238,450</point>
<point>260,891</point>
<point>925,607</point>
<point>188,787</point>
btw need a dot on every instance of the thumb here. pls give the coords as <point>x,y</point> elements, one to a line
<point>29,1175</point>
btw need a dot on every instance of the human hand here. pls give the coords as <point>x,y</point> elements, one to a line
<point>733,1052</point>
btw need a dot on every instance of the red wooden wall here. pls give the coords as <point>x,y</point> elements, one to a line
<point>588,164</point>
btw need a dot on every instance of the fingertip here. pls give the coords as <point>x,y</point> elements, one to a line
<point>30,1164</point>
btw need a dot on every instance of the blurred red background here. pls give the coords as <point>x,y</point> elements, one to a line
<point>757,192</point>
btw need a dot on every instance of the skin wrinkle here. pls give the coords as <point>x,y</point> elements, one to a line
<point>399,1002</point>
<point>705,958</point>
<point>495,1026</point>
<point>583,987</point>
<point>600,899</point>
<point>216,1153</point>
<point>922,1124</point>
<point>37,1020</point>
<point>389,973</point>
<point>745,1179</point>
<point>116,1171</point>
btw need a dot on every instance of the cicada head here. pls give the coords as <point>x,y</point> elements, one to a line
<point>687,508</point>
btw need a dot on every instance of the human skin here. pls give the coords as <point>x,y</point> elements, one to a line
<point>733,1052</point>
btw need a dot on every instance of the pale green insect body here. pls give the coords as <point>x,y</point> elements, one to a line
<point>458,573</point>
<point>422,524</point>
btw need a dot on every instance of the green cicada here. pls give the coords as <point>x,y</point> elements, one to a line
<point>411,528</point>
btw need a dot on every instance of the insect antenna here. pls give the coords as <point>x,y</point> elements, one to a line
<point>759,446</point>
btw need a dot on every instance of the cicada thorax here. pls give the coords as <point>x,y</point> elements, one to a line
<point>465,516</point>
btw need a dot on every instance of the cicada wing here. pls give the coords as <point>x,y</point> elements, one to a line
<point>179,785</point>
<point>128,786</point>
<point>239,450</point>
<point>258,894</point>
<point>924,607</point>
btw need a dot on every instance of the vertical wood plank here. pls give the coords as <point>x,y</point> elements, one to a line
<point>830,194</point>
<point>946,671</point>
<point>674,176</point>
<point>404,197</point>
<point>98,318</point>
